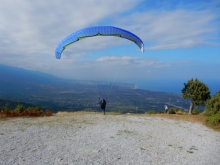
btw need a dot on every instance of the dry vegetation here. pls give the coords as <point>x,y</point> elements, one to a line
<point>20,111</point>
<point>185,117</point>
<point>192,118</point>
<point>178,116</point>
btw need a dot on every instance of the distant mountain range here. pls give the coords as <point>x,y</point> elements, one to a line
<point>47,91</point>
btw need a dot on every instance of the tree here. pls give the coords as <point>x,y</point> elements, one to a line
<point>212,111</point>
<point>197,91</point>
<point>213,105</point>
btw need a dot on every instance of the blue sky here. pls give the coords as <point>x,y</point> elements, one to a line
<point>181,37</point>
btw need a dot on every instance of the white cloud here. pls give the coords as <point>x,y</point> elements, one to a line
<point>135,62</point>
<point>31,30</point>
<point>123,67</point>
<point>37,26</point>
<point>175,28</point>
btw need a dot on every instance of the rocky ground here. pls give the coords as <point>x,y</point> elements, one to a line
<point>92,138</point>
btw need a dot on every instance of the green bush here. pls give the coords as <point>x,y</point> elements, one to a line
<point>196,112</point>
<point>160,112</point>
<point>36,109</point>
<point>212,111</point>
<point>172,111</point>
<point>30,108</point>
<point>151,112</point>
<point>180,112</point>
<point>213,105</point>
<point>213,120</point>
<point>19,109</point>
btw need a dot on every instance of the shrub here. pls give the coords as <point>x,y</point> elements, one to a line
<point>31,108</point>
<point>172,111</point>
<point>213,120</point>
<point>19,109</point>
<point>31,113</point>
<point>48,113</point>
<point>212,111</point>
<point>213,105</point>
<point>179,112</point>
<point>196,112</point>
<point>151,112</point>
<point>160,112</point>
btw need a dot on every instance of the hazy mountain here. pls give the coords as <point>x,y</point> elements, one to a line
<point>19,76</point>
<point>70,95</point>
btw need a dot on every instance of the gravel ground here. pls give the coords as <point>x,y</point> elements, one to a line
<point>110,139</point>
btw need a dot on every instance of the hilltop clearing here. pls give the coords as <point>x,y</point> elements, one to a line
<point>92,138</point>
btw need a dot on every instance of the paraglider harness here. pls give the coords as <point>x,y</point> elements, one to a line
<point>103,104</point>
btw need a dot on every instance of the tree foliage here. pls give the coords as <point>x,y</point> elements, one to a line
<point>197,91</point>
<point>213,105</point>
<point>212,111</point>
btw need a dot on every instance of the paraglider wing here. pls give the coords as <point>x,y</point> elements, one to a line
<point>97,31</point>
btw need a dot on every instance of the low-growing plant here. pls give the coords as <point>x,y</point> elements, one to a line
<point>19,109</point>
<point>175,111</point>
<point>179,112</point>
<point>30,111</point>
<point>172,111</point>
<point>160,112</point>
<point>196,112</point>
<point>213,105</point>
<point>213,120</point>
<point>151,112</point>
<point>212,111</point>
<point>48,113</point>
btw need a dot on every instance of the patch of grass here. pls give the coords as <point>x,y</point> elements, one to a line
<point>151,112</point>
<point>190,152</point>
<point>172,111</point>
<point>193,148</point>
<point>180,147</point>
<point>19,111</point>
<point>160,112</point>
<point>142,148</point>
<point>114,113</point>
<point>214,121</point>
<point>192,118</point>
<point>65,113</point>
<point>180,112</point>
<point>123,131</point>
<point>22,129</point>
<point>195,112</point>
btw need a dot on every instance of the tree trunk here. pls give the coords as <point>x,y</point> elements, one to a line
<point>191,108</point>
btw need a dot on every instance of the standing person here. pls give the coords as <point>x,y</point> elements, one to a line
<point>103,103</point>
<point>166,108</point>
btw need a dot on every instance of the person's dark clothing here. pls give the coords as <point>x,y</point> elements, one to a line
<point>103,103</point>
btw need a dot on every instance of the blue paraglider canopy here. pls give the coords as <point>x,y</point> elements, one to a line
<point>97,31</point>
